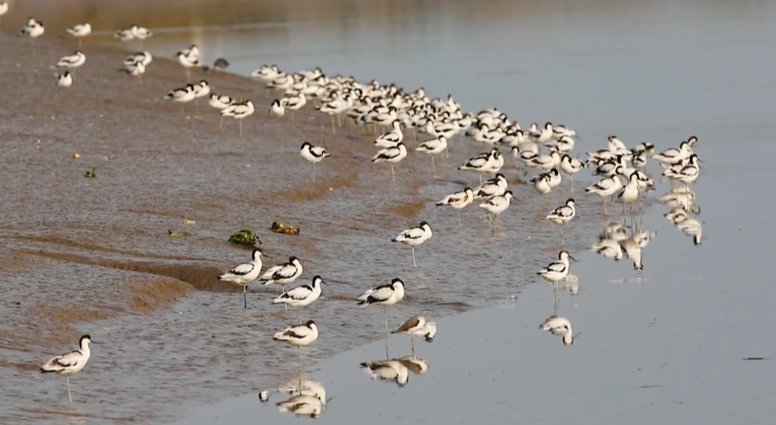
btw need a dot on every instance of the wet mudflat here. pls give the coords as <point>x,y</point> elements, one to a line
<point>94,255</point>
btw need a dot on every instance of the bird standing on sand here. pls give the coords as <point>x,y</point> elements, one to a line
<point>64,79</point>
<point>70,363</point>
<point>80,31</point>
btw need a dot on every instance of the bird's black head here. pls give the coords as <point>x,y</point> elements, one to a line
<point>292,259</point>
<point>310,323</point>
<point>306,144</point>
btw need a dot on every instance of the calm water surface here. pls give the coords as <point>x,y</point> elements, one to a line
<point>667,342</point>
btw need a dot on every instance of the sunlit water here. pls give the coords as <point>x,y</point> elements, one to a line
<point>648,71</point>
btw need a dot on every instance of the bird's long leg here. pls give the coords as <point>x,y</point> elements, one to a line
<point>414,263</point>
<point>557,297</point>
<point>313,172</point>
<point>562,242</point>
<point>245,297</point>
<point>70,397</point>
<point>80,43</point>
<point>459,218</point>
<point>393,174</point>
<point>571,179</point>
<point>433,166</point>
<point>412,342</point>
<point>339,120</point>
<point>188,75</point>
<point>241,133</point>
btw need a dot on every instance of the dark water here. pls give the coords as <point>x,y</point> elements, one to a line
<point>646,71</point>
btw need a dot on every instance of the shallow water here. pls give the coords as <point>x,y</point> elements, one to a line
<point>651,71</point>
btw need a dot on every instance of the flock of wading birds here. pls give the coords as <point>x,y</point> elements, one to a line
<point>546,149</point>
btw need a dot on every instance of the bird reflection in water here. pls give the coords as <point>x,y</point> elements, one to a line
<point>308,397</point>
<point>686,224</point>
<point>388,370</point>
<point>561,326</point>
<point>615,241</point>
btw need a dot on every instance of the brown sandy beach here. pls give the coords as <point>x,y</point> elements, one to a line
<point>77,250</point>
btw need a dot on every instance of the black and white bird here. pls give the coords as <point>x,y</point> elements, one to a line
<point>182,94</point>
<point>283,273</point>
<point>486,162</point>
<point>245,273</point>
<point>384,295</point>
<point>124,34</point>
<point>605,188</point>
<point>391,155</point>
<point>64,79</point>
<point>72,61</point>
<point>33,29</point>
<point>239,111</point>
<point>571,166</point>
<point>458,200</point>
<point>314,154</point>
<point>298,335</point>
<point>433,147</point>
<point>559,326</point>
<point>189,58</point>
<point>140,33</point>
<point>80,31</point>
<point>143,57</point>
<point>387,370</point>
<point>562,215</point>
<point>295,103</point>
<point>278,107</point>
<point>557,270</point>
<point>302,296</point>
<point>414,236</point>
<point>391,138</point>
<point>674,156</point>
<point>70,363</point>
<point>495,205</point>
<point>492,187</point>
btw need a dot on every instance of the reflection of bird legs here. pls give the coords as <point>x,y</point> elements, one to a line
<point>557,297</point>
<point>386,331</point>
<point>412,342</point>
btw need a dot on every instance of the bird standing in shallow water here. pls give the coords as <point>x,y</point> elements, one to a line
<point>314,154</point>
<point>562,215</point>
<point>245,273</point>
<point>70,363</point>
<point>414,237</point>
<point>391,155</point>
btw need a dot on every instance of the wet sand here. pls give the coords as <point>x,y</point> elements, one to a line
<point>93,254</point>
